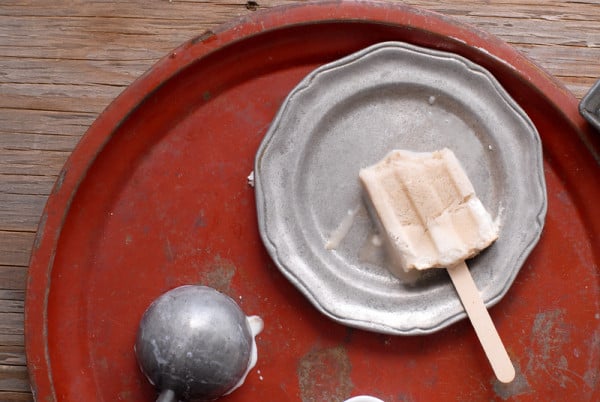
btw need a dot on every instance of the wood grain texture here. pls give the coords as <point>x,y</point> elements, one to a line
<point>63,61</point>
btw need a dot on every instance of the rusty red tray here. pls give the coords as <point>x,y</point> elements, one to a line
<point>155,196</point>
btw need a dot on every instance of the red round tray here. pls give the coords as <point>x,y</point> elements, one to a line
<point>155,196</point>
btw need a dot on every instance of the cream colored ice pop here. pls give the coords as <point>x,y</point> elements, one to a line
<point>430,217</point>
<point>427,209</point>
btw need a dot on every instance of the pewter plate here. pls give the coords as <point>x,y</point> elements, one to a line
<point>350,113</point>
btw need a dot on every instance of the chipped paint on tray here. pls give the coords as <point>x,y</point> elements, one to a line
<point>324,375</point>
<point>219,274</point>
<point>518,386</point>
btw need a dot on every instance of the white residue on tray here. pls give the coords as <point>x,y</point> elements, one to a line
<point>256,325</point>
<point>250,179</point>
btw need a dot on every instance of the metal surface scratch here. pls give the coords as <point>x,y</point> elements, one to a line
<point>549,334</point>
<point>592,374</point>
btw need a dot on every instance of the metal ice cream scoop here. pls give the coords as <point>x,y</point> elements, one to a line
<point>195,343</point>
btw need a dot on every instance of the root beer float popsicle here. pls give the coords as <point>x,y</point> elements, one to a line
<point>430,217</point>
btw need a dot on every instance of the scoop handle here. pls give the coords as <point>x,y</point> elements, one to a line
<point>482,322</point>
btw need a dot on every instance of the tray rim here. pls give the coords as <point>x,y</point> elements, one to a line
<point>99,133</point>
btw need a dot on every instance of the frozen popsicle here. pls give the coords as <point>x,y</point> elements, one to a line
<point>427,209</point>
<point>430,217</point>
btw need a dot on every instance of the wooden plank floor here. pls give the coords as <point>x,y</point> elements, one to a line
<point>63,61</point>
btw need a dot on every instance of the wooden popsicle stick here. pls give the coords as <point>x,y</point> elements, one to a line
<point>482,322</point>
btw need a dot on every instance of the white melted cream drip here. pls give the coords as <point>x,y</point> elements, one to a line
<point>342,230</point>
<point>363,398</point>
<point>250,179</point>
<point>256,325</point>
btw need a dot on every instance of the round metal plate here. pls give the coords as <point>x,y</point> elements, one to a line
<point>349,114</point>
